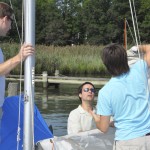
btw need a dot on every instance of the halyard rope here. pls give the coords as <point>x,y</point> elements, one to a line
<point>137,44</point>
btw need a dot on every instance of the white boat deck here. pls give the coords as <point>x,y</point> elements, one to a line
<point>89,140</point>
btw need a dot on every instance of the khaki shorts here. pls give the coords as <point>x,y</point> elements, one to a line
<point>140,143</point>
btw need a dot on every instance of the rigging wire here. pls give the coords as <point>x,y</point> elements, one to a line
<point>138,33</point>
<point>130,31</point>
<point>15,22</point>
<point>20,77</point>
<point>18,133</point>
<point>137,37</point>
<point>134,27</point>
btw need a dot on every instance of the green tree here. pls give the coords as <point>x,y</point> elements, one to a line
<point>118,11</point>
<point>49,23</point>
<point>95,22</point>
<point>71,14</point>
<point>145,22</point>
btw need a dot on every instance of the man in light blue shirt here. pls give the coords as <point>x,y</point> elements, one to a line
<point>6,18</point>
<point>126,98</point>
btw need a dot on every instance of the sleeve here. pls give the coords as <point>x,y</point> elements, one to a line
<point>103,104</point>
<point>143,71</point>
<point>74,125</point>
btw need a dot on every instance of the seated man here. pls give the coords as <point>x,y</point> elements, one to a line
<point>80,119</point>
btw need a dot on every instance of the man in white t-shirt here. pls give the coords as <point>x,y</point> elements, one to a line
<point>6,18</point>
<point>80,119</point>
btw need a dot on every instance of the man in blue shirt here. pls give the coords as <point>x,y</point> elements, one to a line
<point>126,98</point>
<point>6,18</point>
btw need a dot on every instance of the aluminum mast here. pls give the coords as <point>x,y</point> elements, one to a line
<point>29,67</point>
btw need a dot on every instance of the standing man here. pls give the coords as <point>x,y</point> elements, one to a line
<point>6,18</point>
<point>80,118</point>
<point>126,98</point>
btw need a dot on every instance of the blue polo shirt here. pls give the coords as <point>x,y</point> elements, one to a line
<point>126,98</point>
<point>2,82</point>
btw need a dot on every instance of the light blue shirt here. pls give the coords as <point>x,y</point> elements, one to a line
<point>2,81</point>
<point>126,99</point>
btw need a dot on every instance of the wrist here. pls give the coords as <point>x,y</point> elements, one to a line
<point>16,59</point>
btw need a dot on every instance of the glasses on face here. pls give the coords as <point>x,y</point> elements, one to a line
<point>10,19</point>
<point>87,90</point>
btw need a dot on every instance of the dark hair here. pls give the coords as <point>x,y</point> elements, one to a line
<point>81,86</point>
<point>114,57</point>
<point>5,10</point>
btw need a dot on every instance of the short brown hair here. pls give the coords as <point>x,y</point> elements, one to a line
<point>114,57</point>
<point>5,10</point>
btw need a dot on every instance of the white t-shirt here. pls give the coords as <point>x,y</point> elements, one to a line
<point>2,81</point>
<point>80,120</point>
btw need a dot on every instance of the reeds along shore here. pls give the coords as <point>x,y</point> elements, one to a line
<point>69,60</point>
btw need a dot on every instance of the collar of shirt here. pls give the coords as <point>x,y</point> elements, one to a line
<point>82,111</point>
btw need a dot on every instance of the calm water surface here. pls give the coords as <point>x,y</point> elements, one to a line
<point>56,104</point>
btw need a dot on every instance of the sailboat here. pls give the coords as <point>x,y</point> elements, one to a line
<point>31,132</point>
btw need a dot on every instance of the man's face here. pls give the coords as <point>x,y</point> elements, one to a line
<point>88,93</point>
<point>5,25</point>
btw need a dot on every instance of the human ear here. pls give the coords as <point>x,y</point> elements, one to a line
<point>5,18</point>
<point>80,95</point>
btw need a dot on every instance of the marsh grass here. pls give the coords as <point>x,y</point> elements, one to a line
<point>69,60</point>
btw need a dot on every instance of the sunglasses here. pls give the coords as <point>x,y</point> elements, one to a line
<point>10,18</point>
<point>87,90</point>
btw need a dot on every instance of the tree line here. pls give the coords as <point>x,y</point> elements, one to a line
<point>93,22</point>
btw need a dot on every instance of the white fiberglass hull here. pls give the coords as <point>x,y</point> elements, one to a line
<point>89,140</point>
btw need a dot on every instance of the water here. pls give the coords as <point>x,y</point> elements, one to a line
<point>56,104</point>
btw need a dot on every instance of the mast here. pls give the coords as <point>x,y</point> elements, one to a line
<point>29,67</point>
<point>125,35</point>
